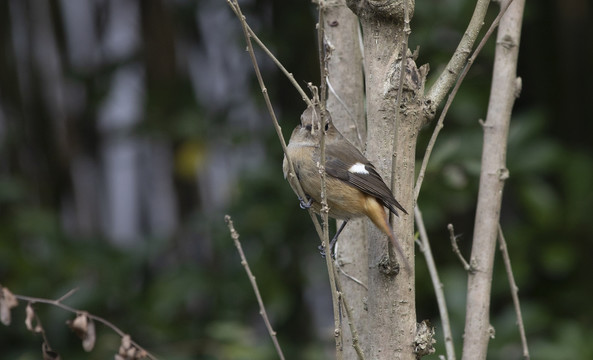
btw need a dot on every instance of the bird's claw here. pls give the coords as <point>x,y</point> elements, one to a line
<point>305,204</point>
<point>321,249</point>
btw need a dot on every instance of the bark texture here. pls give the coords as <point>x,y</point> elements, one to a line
<point>346,104</point>
<point>391,321</point>
<point>505,88</point>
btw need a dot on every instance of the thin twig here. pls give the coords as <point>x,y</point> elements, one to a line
<point>351,277</point>
<point>351,326</point>
<point>262,309</point>
<point>450,98</point>
<point>289,75</point>
<point>324,206</point>
<point>436,283</point>
<point>347,109</point>
<point>89,315</point>
<point>447,77</point>
<point>237,10</point>
<point>514,291</point>
<point>67,295</point>
<point>355,341</point>
<point>322,233</point>
<point>456,250</point>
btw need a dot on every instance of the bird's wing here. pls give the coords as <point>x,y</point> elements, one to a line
<point>362,175</point>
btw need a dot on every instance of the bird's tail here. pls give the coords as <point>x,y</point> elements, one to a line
<point>376,213</point>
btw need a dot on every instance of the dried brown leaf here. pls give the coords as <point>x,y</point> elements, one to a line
<point>88,342</point>
<point>30,317</point>
<point>126,342</point>
<point>79,325</point>
<point>84,327</point>
<point>141,354</point>
<point>32,321</point>
<point>128,351</point>
<point>7,302</point>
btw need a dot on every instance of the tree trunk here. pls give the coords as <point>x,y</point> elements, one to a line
<point>391,322</point>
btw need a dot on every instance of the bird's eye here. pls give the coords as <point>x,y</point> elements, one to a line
<point>308,127</point>
<point>326,126</point>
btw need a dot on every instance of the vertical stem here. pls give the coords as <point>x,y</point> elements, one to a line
<point>324,207</point>
<point>492,176</point>
<point>514,291</point>
<point>436,283</point>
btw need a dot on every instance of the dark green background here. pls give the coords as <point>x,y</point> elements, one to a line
<point>186,296</point>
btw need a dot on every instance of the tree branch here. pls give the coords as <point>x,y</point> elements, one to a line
<point>450,98</point>
<point>350,318</point>
<point>324,206</point>
<point>492,177</point>
<point>237,10</point>
<point>62,306</point>
<point>514,291</point>
<point>456,250</point>
<point>262,308</point>
<point>447,78</point>
<point>247,33</point>
<point>437,284</point>
<point>323,233</point>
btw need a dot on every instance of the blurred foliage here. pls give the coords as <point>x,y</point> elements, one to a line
<point>187,296</point>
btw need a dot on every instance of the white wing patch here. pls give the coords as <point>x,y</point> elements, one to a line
<point>358,168</point>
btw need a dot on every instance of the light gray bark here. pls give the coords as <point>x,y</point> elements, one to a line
<point>504,90</point>
<point>346,104</point>
<point>391,319</point>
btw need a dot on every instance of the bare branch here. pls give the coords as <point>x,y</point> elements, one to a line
<point>246,32</point>
<point>439,124</point>
<point>455,248</point>
<point>514,291</point>
<point>62,306</point>
<point>323,56</point>
<point>437,284</point>
<point>67,295</point>
<point>323,233</point>
<point>347,109</point>
<point>350,276</point>
<point>493,175</point>
<point>447,78</point>
<point>235,7</point>
<point>262,308</point>
<point>355,342</point>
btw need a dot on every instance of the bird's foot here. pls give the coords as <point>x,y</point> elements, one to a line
<point>332,247</point>
<point>305,204</point>
<point>321,249</point>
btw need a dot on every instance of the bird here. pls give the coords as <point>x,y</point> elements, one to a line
<point>354,188</point>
